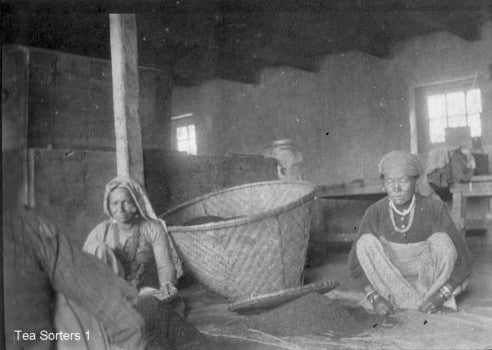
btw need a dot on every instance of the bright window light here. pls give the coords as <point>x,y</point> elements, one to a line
<point>186,138</point>
<point>474,101</point>
<point>454,109</point>
<point>437,106</point>
<point>456,103</point>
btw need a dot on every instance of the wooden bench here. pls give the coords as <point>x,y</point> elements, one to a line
<point>351,192</point>
<point>480,186</point>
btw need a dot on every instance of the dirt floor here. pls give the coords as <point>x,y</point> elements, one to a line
<point>470,328</point>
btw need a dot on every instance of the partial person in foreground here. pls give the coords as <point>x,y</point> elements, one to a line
<point>40,265</point>
<point>133,241</point>
<point>409,253</point>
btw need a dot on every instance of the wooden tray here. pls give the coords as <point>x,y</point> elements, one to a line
<point>267,301</point>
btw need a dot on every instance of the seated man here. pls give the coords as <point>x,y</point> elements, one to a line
<point>409,253</point>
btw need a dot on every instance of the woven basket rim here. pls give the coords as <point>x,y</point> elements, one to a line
<point>243,220</point>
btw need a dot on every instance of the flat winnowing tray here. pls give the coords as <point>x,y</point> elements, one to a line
<point>270,300</point>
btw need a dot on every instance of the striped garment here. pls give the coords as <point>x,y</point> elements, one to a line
<point>40,262</point>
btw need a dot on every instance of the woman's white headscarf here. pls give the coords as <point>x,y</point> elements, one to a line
<point>408,164</point>
<point>145,210</point>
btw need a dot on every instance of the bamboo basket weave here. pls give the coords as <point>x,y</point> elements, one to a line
<point>262,249</point>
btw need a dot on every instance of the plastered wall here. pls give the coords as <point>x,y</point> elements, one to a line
<point>342,110</point>
<point>345,116</point>
<point>441,58</point>
<point>71,103</point>
<point>360,100</point>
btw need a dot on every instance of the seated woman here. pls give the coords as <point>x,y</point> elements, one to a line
<point>134,242</point>
<point>409,253</point>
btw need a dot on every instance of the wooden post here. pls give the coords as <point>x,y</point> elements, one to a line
<point>412,106</point>
<point>458,211</point>
<point>129,154</point>
<point>15,94</point>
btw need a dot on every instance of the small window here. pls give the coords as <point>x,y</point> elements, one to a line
<point>185,134</point>
<point>186,139</point>
<point>452,109</point>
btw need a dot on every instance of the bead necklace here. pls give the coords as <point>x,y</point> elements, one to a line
<point>410,209</point>
<point>405,211</point>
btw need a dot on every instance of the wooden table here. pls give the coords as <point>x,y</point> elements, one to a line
<point>480,186</point>
<point>352,192</point>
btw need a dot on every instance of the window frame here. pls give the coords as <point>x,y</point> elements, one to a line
<point>184,120</point>
<point>443,89</point>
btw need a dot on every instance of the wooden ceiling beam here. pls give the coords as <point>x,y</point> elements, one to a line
<point>245,6</point>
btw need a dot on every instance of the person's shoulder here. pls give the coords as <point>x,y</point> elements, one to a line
<point>100,228</point>
<point>381,204</point>
<point>151,226</point>
<point>151,230</point>
<point>429,203</point>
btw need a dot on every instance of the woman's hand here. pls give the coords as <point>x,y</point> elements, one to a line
<point>380,305</point>
<point>433,303</point>
<point>436,301</point>
<point>167,290</point>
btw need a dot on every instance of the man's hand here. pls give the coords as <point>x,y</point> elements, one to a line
<point>433,303</point>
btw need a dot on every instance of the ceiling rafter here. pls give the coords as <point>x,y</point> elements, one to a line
<point>232,39</point>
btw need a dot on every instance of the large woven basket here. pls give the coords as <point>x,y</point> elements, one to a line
<point>261,250</point>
